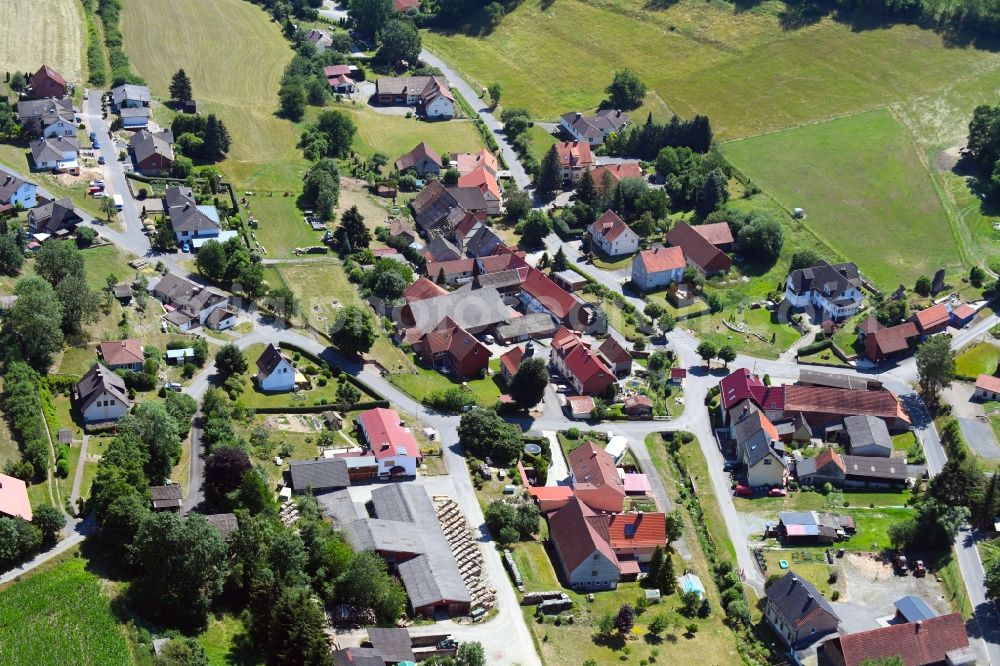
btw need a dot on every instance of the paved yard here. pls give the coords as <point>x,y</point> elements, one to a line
<point>979,434</point>
<point>871,589</point>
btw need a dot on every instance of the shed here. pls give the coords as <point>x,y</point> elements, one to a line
<point>913,609</point>
<point>65,435</point>
<point>616,448</point>
<point>395,645</point>
<point>179,356</point>
<point>167,498</point>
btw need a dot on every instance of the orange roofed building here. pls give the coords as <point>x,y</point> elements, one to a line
<point>595,478</point>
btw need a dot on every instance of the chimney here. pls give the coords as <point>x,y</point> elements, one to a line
<point>920,625</point>
<point>578,115</point>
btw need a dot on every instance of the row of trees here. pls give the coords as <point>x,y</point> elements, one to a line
<point>231,265</point>
<point>330,136</point>
<point>204,138</point>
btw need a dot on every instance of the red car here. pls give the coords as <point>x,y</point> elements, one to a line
<point>744,491</point>
<point>777,492</point>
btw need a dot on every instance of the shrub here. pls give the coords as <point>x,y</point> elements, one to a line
<point>321,381</point>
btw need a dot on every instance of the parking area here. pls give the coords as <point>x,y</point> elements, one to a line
<point>871,588</point>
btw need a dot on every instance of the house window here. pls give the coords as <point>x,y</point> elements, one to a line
<point>594,573</point>
<point>767,461</point>
<point>595,557</point>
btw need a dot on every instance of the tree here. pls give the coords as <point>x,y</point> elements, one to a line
<point>517,203</point>
<point>935,365</point>
<point>645,225</point>
<point>296,630</point>
<point>32,325</point>
<point>666,322</point>
<point>370,15</point>
<point>224,471</point>
<point>762,238</point>
<point>49,520</point>
<point>283,302</point>
<point>804,259</point>
<point>495,12</point>
<point>79,303</point>
<point>706,350</point>
<point>666,578</point>
<point>626,91</point>
<point>470,653</point>
<point>348,395</point>
<point>527,387</point>
<point>495,90</point>
<point>180,87</point>
<point>292,101</point>
<point>182,651</point>
<point>212,261</point>
<point>586,190</point>
<point>675,526</point>
<point>56,261</point>
<point>399,42</point>
<point>485,434</point>
<point>354,331</point>
<point>367,583</point>
<point>352,224</point>
<point>255,495</point>
<point>923,286</point>
<point>714,193</point>
<point>335,130</point>
<point>655,564</point>
<point>11,255</point>
<point>534,228</point>
<point>727,354</point>
<point>559,262</point>
<point>976,276</point>
<point>625,620</point>
<point>322,187</point>
<point>230,361</point>
<point>658,624</point>
<point>548,179</point>
<point>217,139</point>
<point>993,579</point>
<point>183,562</point>
<point>159,436</point>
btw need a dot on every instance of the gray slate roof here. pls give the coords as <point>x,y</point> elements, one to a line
<point>167,496</point>
<point>185,215</point>
<point>322,474</point>
<point>796,599</point>
<point>358,656</point>
<point>131,92</point>
<point>470,308</point>
<point>9,185</point>
<point>145,144</point>
<point>597,126</point>
<point>393,644</point>
<point>185,295</point>
<point>889,469</point>
<point>868,431</point>
<point>47,111</point>
<point>226,523</point>
<point>831,280</point>
<point>47,149</point>
<point>482,242</point>
<point>98,380</point>
<point>269,360</point>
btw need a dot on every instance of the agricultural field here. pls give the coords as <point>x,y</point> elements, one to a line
<point>394,135</point>
<point>864,191</point>
<point>36,627</point>
<point>59,28</point>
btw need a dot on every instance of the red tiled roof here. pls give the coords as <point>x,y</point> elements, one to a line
<point>580,404</point>
<point>637,400</point>
<point>14,497</point>
<point>423,288</point>
<point>768,427</point>
<point>336,70</point>
<point>553,297</point>
<point>718,233</point>
<point>829,400</point>
<point>453,267</point>
<point>698,250</point>
<point>869,325</point>
<point>405,5</point>
<point>574,154</point>
<point>385,436</point>
<point>894,338</point>
<point>467,162</point>
<point>678,373</point>
<point>827,456</point>
<point>741,385</point>
<point>650,530</point>
<point>576,538</point>
<point>988,383</point>
<point>47,72</point>
<point>916,643</point>
<point>934,316</point>
<point>550,492</point>
<point>495,263</point>
<point>614,352</point>
<point>662,259</point>
<point>584,364</point>
<point>963,311</point>
<point>563,339</point>
<point>419,152</point>
<point>121,352</point>
<point>511,359</point>
<point>481,178</point>
<point>609,225</point>
<point>617,171</point>
<point>593,467</point>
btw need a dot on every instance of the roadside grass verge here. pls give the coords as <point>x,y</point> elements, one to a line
<point>977,360</point>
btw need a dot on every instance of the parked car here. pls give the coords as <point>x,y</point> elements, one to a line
<point>172,386</point>
<point>899,563</point>
<point>97,144</point>
<point>919,570</point>
<point>729,465</point>
<point>447,644</point>
<point>99,194</point>
<point>94,189</point>
<point>93,136</point>
<point>97,183</point>
<point>777,492</point>
<point>100,160</point>
<point>744,491</point>
<point>185,247</point>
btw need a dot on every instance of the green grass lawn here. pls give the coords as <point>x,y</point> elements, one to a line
<point>323,287</point>
<point>808,563</point>
<point>573,643</point>
<point>426,381</point>
<point>864,190</point>
<point>396,135</point>
<point>846,337</point>
<point>826,357</point>
<point>978,359</point>
<point>61,616</point>
<point>813,501</point>
<point>254,398</point>
<point>226,643</point>
<point>541,141</point>
<point>759,321</point>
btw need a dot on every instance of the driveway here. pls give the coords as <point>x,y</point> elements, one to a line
<point>335,11</point>
<point>979,434</point>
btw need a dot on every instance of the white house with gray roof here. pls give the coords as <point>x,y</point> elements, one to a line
<point>47,118</point>
<point>833,290</point>
<point>55,154</point>
<point>15,191</point>
<point>101,395</point>
<point>189,220</point>
<point>593,129</point>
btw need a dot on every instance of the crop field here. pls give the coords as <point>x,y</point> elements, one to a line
<point>59,35</point>
<point>864,190</point>
<point>60,616</point>
<point>235,57</point>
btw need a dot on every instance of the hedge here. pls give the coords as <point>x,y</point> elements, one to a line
<point>308,355</point>
<point>315,409</point>
<point>814,347</point>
